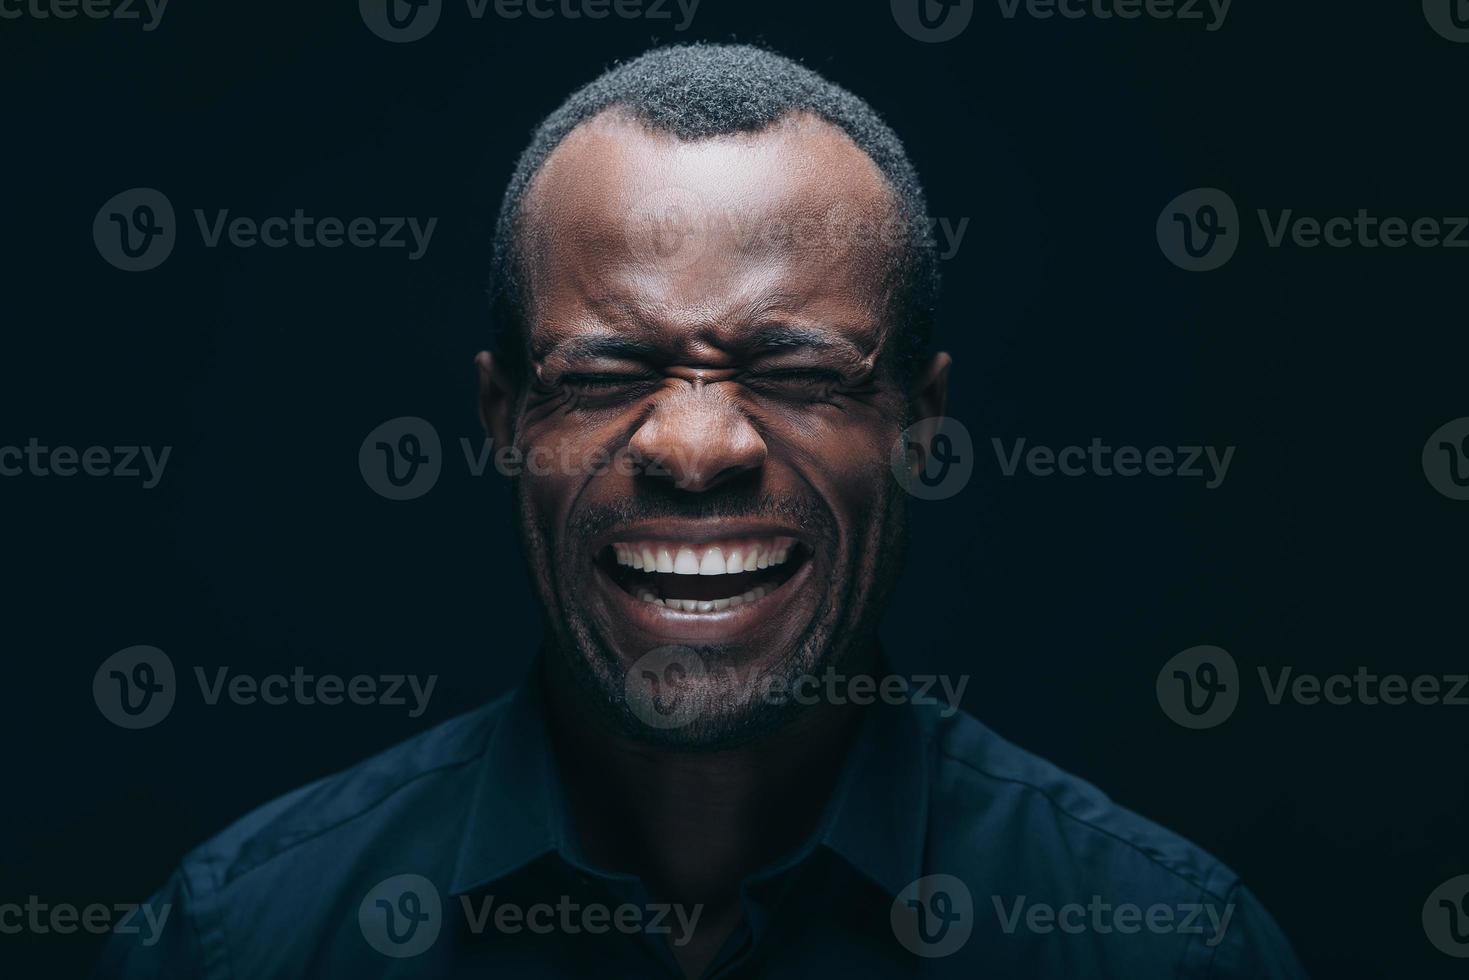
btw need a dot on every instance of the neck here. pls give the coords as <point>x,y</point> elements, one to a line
<point>692,824</point>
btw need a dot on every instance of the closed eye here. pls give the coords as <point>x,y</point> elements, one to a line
<point>797,374</point>
<point>794,378</point>
<point>605,382</point>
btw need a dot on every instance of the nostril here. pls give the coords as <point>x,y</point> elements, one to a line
<point>723,476</point>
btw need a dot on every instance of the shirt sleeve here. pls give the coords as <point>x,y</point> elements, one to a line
<point>164,944</point>
<point>1253,946</point>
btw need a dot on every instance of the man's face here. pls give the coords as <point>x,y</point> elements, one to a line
<point>709,410</point>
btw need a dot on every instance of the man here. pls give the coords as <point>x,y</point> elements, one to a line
<point>713,286</point>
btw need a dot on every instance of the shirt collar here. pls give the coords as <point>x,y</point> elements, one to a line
<point>878,815</point>
<point>516,814</point>
<point>875,820</point>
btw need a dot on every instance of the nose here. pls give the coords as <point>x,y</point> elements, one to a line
<point>697,437</point>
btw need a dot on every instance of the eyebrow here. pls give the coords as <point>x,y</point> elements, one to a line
<point>776,337</point>
<point>788,338</point>
<point>611,345</point>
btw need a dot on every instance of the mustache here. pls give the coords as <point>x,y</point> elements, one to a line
<point>662,502</point>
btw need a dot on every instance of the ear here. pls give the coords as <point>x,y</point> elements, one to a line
<point>930,392</point>
<point>496,400</point>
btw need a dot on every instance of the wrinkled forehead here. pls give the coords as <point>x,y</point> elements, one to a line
<point>626,222</point>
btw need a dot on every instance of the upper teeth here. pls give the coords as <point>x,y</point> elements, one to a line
<point>712,558</point>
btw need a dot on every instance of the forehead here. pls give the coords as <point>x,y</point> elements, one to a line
<point>690,244</point>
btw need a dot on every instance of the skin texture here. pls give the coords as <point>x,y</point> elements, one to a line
<point>707,356</point>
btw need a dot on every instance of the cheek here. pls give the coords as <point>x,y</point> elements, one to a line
<point>561,461</point>
<point>849,459</point>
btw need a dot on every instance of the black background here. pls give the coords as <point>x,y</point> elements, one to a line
<point>263,549</point>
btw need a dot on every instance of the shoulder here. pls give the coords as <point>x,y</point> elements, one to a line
<point>1066,882</point>
<point>297,868</point>
<point>354,805</point>
<point>990,785</point>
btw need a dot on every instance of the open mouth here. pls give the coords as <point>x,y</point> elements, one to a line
<point>706,577</point>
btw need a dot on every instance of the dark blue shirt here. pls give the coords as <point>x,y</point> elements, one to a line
<point>944,851</point>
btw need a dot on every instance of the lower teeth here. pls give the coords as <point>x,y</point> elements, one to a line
<point>704,605</point>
